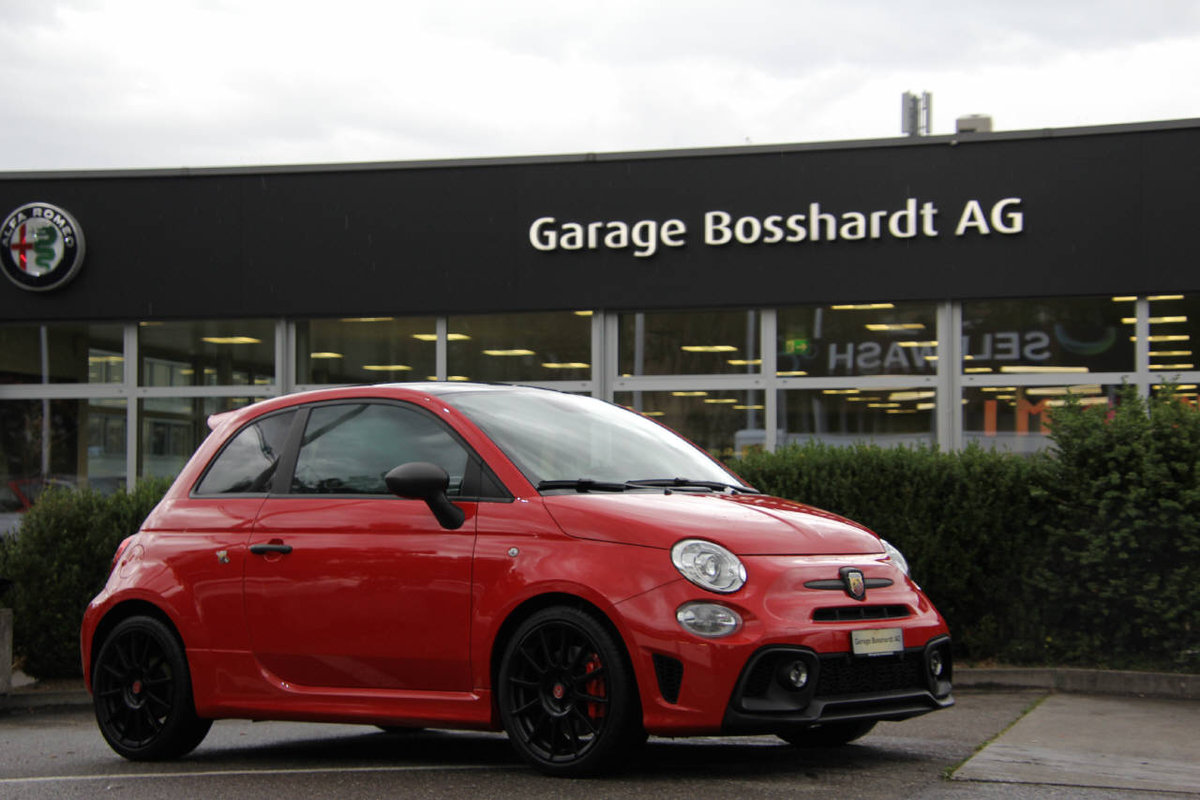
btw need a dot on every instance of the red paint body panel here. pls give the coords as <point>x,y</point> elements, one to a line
<point>746,524</point>
<point>377,614</point>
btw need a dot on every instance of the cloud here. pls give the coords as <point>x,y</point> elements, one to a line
<point>136,83</point>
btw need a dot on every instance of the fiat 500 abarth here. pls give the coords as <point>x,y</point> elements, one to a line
<point>494,557</point>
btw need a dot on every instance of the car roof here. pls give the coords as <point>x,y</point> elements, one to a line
<point>415,390</point>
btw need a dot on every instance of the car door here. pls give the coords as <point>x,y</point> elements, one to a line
<point>349,586</point>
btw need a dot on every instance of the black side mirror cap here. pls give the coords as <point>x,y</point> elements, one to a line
<point>420,480</point>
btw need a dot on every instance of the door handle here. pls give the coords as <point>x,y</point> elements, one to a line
<point>272,547</point>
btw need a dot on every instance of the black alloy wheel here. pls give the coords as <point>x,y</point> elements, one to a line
<point>832,734</point>
<point>142,693</point>
<point>567,696</point>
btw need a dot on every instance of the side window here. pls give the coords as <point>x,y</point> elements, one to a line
<point>348,449</point>
<point>248,462</point>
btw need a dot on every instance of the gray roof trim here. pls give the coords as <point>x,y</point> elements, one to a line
<point>631,155</point>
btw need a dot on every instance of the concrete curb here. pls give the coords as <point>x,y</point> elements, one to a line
<point>1166,685</point>
<point>1169,686</point>
<point>30,699</point>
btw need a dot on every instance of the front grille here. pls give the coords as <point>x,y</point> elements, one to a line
<point>860,613</point>
<point>842,675</point>
<point>669,672</point>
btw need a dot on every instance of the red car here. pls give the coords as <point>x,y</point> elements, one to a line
<point>484,557</point>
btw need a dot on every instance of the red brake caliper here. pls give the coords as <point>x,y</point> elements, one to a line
<point>594,687</point>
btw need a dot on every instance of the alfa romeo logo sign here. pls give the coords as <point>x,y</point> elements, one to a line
<point>41,247</point>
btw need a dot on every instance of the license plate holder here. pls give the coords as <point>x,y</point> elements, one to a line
<point>876,641</point>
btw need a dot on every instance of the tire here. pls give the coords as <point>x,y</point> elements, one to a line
<point>142,693</point>
<point>833,734</point>
<point>567,695</point>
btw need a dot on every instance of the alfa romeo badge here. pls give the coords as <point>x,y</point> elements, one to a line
<point>41,247</point>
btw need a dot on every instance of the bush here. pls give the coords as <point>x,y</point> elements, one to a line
<point>58,561</point>
<point>970,525</point>
<point>1124,544</point>
<point>1088,555</point>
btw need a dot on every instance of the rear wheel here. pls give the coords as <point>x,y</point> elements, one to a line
<point>142,693</point>
<point>567,696</point>
<point>833,734</point>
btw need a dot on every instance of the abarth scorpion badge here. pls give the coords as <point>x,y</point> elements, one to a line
<point>852,579</point>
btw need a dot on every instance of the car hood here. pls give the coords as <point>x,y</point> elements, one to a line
<point>746,524</point>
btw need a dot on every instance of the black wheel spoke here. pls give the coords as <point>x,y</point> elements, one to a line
<point>544,641</point>
<point>588,677</point>
<point>579,716</point>
<point>538,666</point>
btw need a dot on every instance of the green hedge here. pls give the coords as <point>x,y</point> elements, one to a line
<point>1122,570</point>
<point>1086,555</point>
<point>970,524</point>
<point>58,561</point>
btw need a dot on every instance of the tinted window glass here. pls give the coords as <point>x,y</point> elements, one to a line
<point>249,460</point>
<point>555,436</point>
<point>349,448</point>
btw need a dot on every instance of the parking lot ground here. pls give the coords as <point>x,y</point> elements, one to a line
<point>56,753</point>
<point>1111,742</point>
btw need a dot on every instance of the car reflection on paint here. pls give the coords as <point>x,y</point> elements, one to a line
<point>492,557</point>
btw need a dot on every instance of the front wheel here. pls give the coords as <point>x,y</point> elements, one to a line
<point>568,698</point>
<point>142,693</point>
<point>833,734</point>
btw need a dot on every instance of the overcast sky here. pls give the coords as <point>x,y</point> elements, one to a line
<point>193,83</point>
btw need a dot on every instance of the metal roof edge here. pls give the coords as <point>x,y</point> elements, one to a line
<point>622,155</point>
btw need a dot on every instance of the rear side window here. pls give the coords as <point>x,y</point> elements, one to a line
<point>349,448</point>
<point>248,462</point>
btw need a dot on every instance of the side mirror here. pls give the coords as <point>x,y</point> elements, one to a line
<point>420,480</point>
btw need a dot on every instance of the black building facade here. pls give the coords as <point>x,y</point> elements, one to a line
<point>940,289</point>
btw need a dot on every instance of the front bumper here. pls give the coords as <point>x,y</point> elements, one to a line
<point>839,687</point>
<point>695,686</point>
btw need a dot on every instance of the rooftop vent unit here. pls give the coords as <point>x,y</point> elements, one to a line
<point>973,123</point>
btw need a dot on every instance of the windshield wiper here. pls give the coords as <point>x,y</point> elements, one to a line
<point>583,485</point>
<point>683,483</point>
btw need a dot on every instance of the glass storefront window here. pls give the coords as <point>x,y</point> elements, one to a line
<point>1174,327</point>
<point>171,428</point>
<point>543,346</point>
<point>887,417</point>
<point>211,353</point>
<point>1065,334</point>
<point>1183,392</point>
<point>62,353</point>
<point>366,350</point>
<point>1017,418</point>
<point>46,443</point>
<point>723,422</point>
<point>857,339</point>
<point>689,343</point>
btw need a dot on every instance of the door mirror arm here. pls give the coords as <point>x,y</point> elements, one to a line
<point>420,480</point>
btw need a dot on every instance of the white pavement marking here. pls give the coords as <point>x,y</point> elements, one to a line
<point>230,773</point>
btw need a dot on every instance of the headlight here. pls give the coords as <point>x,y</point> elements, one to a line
<point>708,565</point>
<point>710,620</point>
<point>896,556</point>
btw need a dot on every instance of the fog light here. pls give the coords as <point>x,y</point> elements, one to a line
<point>936,665</point>
<point>794,675</point>
<point>710,620</point>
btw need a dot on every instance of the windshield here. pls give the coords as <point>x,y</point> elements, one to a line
<point>552,436</point>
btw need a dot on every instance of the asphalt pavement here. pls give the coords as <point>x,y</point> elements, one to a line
<point>1110,730</point>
